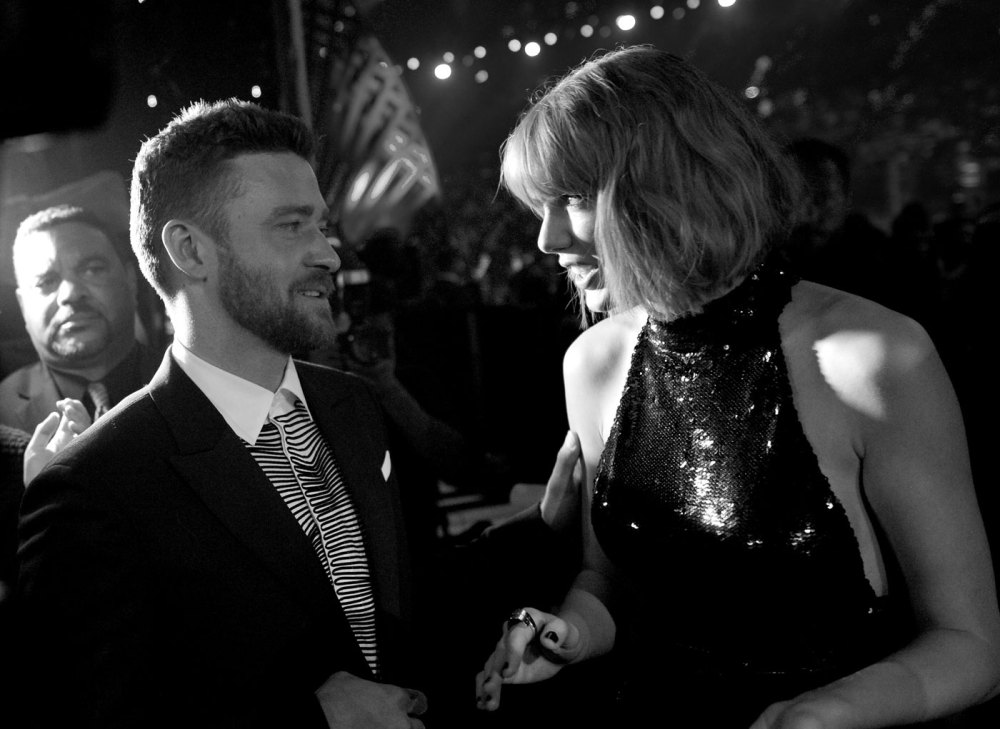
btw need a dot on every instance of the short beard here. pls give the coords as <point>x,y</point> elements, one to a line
<point>250,297</point>
<point>75,351</point>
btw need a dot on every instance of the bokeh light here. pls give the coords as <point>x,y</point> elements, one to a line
<point>625,22</point>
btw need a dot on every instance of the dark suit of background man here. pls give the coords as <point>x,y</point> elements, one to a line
<point>77,287</point>
<point>164,580</point>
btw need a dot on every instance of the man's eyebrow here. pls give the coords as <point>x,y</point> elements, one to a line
<point>303,210</point>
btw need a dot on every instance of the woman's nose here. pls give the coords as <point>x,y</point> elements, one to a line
<point>554,234</point>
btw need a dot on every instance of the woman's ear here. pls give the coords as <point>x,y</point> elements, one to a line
<point>188,249</point>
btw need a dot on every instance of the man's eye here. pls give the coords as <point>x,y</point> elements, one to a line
<point>95,271</point>
<point>47,282</point>
<point>292,226</point>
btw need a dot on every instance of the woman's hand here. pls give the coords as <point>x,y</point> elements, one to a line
<point>527,655</point>
<point>805,712</point>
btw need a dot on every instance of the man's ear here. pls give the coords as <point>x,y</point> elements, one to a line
<point>188,248</point>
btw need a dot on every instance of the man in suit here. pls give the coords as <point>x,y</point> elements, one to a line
<point>77,288</point>
<point>224,547</point>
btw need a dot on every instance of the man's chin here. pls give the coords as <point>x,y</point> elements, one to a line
<point>76,351</point>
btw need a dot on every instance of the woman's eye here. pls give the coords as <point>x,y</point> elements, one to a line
<point>574,201</point>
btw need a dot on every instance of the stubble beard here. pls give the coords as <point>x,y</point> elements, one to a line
<point>74,350</point>
<point>251,298</point>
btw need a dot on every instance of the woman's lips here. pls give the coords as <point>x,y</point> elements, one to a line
<point>585,277</point>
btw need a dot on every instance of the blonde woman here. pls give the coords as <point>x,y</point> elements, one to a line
<point>780,527</point>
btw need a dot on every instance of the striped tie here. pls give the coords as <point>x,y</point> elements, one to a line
<point>291,452</point>
<point>99,396</point>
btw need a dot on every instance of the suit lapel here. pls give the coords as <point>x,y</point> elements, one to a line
<point>39,395</point>
<point>217,466</point>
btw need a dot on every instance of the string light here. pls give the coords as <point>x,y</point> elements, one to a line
<point>591,26</point>
<point>625,22</point>
<point>255,91</point>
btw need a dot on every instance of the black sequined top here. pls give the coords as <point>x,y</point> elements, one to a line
<point>742,566</point>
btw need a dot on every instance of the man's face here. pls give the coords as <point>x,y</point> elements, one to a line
<point>276,269</point>
<point>76,295</point>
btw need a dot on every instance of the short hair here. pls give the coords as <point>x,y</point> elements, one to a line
<point>689,191</point>
<point>183,171</point>
<point>56,215</point>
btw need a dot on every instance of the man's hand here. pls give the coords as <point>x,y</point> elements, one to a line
<point>561,502</point>
<point>350,702</point>
<point>69,419</point>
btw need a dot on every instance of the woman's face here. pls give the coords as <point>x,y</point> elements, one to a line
<point>568,232</point>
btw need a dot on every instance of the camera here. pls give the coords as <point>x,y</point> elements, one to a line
<point>365,341</point>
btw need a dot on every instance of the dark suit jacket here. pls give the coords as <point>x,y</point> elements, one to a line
<point>164,582</point>
<point>29,394</point>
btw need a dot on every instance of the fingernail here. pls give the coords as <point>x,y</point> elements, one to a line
<point>569,442</point>
<point>551,635</point>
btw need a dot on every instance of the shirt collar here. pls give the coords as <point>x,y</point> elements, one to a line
<point>243,404</point>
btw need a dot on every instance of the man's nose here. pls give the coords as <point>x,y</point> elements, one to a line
<point>324,255</point>
<point>554,233</point>
<point>70,289</point>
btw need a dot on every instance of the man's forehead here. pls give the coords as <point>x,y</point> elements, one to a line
<point>278,179</point>
<point>69,239</point>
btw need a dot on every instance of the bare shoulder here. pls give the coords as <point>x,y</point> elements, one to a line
<point>599,351</point>
<point>857,343</point>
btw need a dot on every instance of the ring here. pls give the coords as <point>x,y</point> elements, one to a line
<point>521,615</point>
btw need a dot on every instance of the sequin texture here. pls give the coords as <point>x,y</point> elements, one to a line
<point>710,501</point>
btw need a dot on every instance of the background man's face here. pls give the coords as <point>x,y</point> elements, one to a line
<point>76,295</point>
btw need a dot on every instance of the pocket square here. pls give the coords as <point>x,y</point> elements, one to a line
<point>386,466</point>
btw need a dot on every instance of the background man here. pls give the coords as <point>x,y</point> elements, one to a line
<point>225,547</point>
<point>77,288</point>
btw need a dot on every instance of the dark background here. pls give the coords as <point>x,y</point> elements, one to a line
<point>910,90</point>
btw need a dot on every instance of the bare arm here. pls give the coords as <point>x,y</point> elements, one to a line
<point>916,474</point>
<point>583,627</point>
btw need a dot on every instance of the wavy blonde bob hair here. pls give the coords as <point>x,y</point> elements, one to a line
<point>689,192</point>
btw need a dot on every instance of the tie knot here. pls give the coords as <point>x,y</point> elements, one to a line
<point>283,403</point>
<point>99,396</point>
